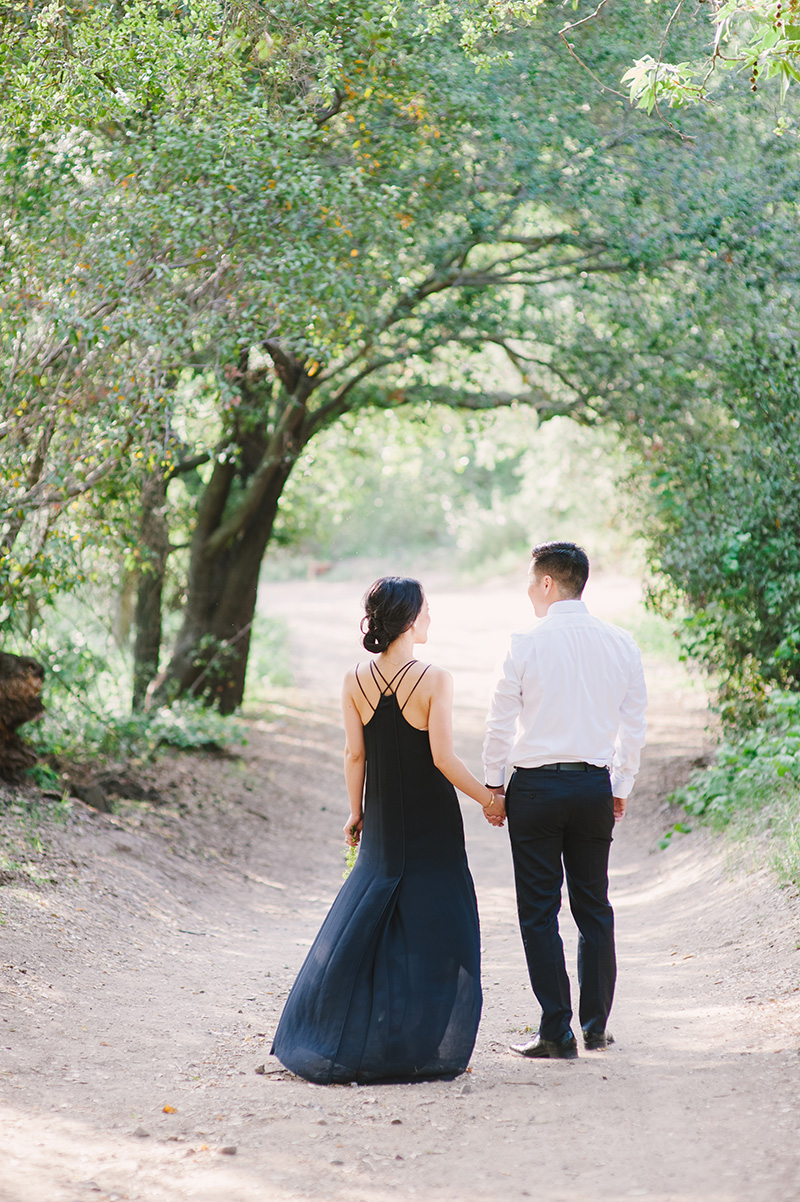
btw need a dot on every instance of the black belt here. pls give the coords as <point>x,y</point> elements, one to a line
<point>568,767</point>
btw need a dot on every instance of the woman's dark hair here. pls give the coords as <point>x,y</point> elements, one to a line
<point>391,607</point>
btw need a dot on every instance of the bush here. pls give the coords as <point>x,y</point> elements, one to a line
<point>754,783</point>
<point>87,699</point>
<point>76,732</point>
<point>87,691</point>
<point>723,521</point>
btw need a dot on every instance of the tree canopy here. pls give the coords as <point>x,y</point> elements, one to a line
<point>225,228</point>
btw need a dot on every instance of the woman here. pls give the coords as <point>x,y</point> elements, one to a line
<point>390,990</point>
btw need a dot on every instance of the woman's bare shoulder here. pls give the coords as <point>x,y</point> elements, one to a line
<point>349,681</point>
<point>436,677</point>
<point>434,671</point>
<point>359,672</point>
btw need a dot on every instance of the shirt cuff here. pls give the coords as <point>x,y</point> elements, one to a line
<point>621,785</point>
<point>495,772</point>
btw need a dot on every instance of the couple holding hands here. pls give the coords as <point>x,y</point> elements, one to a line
<point>390,990</point>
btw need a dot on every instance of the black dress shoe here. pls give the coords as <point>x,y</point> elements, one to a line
<point>595,1040</point>
<point>537,1048</point>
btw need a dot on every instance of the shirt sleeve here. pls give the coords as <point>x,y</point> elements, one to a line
<point>632,729</point>
<point>501,722</point>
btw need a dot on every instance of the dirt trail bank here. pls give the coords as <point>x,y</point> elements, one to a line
<point>153,972</point>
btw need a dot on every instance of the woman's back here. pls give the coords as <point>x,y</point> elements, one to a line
<point>413,683</point>
<point>412,819</point>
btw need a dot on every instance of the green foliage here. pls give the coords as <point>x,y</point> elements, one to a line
<point>45,776</point>
<point>225,228</point>
<point>680,828</point>
<point>72,732</point>
<point>221,209</point>
<point>86,659</point>
<point>350,856</point>
<point>758,39</point>
<point>749,769</point>
<point>107,60</point>
<point>754,782</point>
<point>723,499</point>
<point>477,486</point>
<point>181,186</point>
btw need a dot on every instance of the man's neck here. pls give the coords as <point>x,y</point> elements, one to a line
<point>571,601</point>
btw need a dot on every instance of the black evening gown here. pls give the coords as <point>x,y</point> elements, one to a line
<point>390,990</point>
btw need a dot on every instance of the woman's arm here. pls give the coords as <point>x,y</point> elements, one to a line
<point>440,729</point>
<point>355,760</point>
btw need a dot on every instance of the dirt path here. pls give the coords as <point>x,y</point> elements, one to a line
<point>153,973</point>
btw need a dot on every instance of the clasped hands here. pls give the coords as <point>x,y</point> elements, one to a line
<point>495,813</point>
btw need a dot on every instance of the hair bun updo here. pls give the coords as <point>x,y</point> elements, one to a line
<point>391,607</point>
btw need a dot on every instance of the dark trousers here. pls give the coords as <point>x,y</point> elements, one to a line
<point>553,818</point>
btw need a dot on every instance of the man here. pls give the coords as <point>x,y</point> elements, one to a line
<point>568,714</point>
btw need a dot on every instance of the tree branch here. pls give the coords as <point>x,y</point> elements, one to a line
<point>488,279</point>
<point>333,108</point>
<point>518,359</point>
<point>570,47</point>
<point>188,465</point>
<point>33,501</point>
<point>442,394</point>
<point>335,406</point>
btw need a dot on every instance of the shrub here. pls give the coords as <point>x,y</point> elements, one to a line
<point>185,723</point>
<point>754,782</point>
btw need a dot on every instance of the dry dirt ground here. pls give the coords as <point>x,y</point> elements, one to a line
<point>142,983</point>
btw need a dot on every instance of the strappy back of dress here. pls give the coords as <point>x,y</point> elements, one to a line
<point>388,688</point>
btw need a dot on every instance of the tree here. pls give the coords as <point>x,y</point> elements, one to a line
<point>370,225</point>
<point>486,232</point>
<point>718,448</point>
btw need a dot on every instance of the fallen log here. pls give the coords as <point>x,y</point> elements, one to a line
<point>21,681</point>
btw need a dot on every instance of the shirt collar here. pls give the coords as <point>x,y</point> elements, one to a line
<point>573,606</point>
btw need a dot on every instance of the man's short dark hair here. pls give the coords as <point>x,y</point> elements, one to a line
<point>567,563</point>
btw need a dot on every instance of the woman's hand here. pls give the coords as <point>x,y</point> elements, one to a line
<point>496,811</point>
<point>352,831</point>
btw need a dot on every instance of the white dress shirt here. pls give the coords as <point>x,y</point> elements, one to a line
<point>572,689</point>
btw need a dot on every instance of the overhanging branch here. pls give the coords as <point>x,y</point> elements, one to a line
<point>36,499</point>
<point>188,465</point>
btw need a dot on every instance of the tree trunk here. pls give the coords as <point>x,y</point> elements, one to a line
<point>211,651</point>
<point>154,543</point>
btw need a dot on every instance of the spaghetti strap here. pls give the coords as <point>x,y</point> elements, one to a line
<point>360,685</point>
<point>414,685</point>
<point>402,674</point>
<point>387,684</point>
<point>375,672</point>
